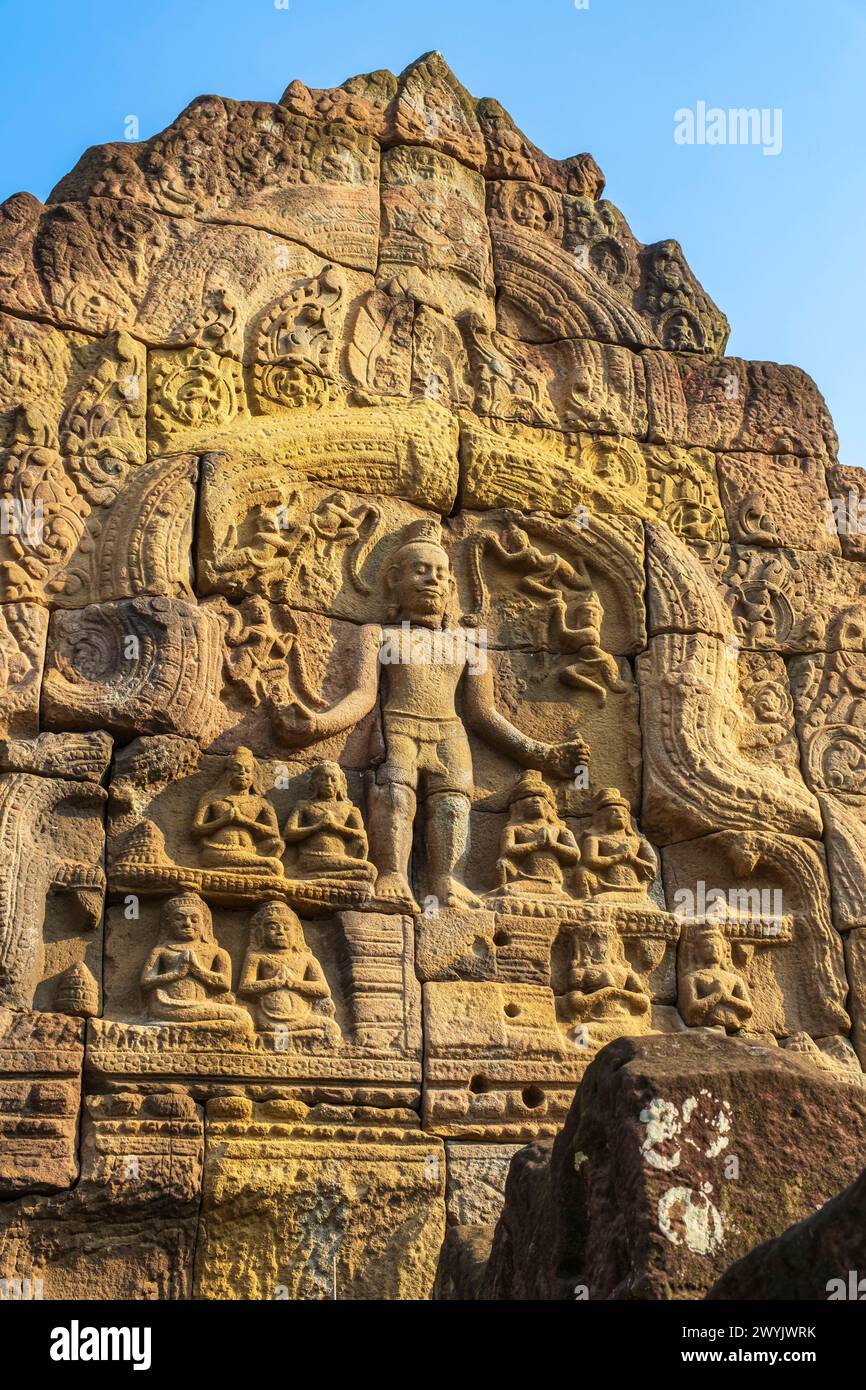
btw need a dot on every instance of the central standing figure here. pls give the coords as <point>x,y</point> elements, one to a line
<point>425,665</point>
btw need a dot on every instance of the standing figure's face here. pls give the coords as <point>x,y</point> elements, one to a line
<point>422,582</point>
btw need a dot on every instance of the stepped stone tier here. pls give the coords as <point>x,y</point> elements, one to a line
<point>425,658</point>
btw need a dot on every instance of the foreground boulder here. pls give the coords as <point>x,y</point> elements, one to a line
<point>680,1154</point>
<point>822,1257</point>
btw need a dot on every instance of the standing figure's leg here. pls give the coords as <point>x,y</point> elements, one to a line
<point>447,843</point>
<point>390,822</point>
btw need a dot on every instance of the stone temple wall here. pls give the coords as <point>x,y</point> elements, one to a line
<point>424,659</point>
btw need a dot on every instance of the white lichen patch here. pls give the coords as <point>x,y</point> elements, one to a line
<point>687,1217</point>
<point>668,1125</point>
<point>663,1126</point>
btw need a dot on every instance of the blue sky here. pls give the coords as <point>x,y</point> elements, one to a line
<point>778,241</point>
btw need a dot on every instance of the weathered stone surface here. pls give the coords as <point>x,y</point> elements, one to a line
<point>52,886</point>
<point>819,1258</point>
<point>435,242</point>
<point>287,1194</point>
<point>474,1192</point>
<point>846,509</point>
<point>789,601</point>
<point>676,1154</point>
<point>471,655</point>
<point>128,1228</point>
<point>761,895</point>
<point>726,403</point>
<point>42,1056</point>
<point>777,500</point>
<point>79,757</point>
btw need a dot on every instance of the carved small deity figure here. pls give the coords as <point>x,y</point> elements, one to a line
<point>237,827</point>
<point>843,764</point>
<point>425,741</point>
<point>272,540</point>
<point>255,652</point>
<point>614,465</point>
<point>760,604</point>
<point>609,259</point>
<point>756,521</point>
<point>336,522</point>
<point>615,858</point>
<point>710,992</point>
<point>680,334</point>
<point>595,669</point>
<point>326,830</point>
<point>15,664</point>
<point>538,572</point>
<point>537,849</point>
<point>282,977</point>
<point>602,986</point>
<point>530,209</point>
<point>667,282</point>
<point>187,977</point>
<point>507,385</point>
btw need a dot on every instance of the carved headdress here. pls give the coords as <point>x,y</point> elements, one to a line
<point>427,531</point>
<point>532,784</point>
<point>609,796</point>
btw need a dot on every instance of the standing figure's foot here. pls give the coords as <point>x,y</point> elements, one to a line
<point>394,888</point>
<point>453,894</point>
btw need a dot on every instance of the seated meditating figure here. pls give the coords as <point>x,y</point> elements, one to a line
<point>237,827</point>
<point>283,979</point>
<point>537,849</point>
<point>602,986</point>
<point>616,860</point>
<point>187,976</point>
<point>711,994</point>
<point>325,833</point>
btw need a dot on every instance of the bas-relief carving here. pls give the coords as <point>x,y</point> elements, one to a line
<point>42,1056</point>
<point>483,666</point>
<point>127,1227</point>
<point>23,631</point>
<point>53,882</point>
<point>770,901</point>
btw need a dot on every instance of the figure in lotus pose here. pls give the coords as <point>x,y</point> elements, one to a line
<point>325,832</point>
<point>425,744</point>
<point>283,978</point>
<point>602,986</point>
<point>537,849</point>
<point>615,859</point>
<point>187,977</point>
<point>238,828</point>
<point>711,994</point>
